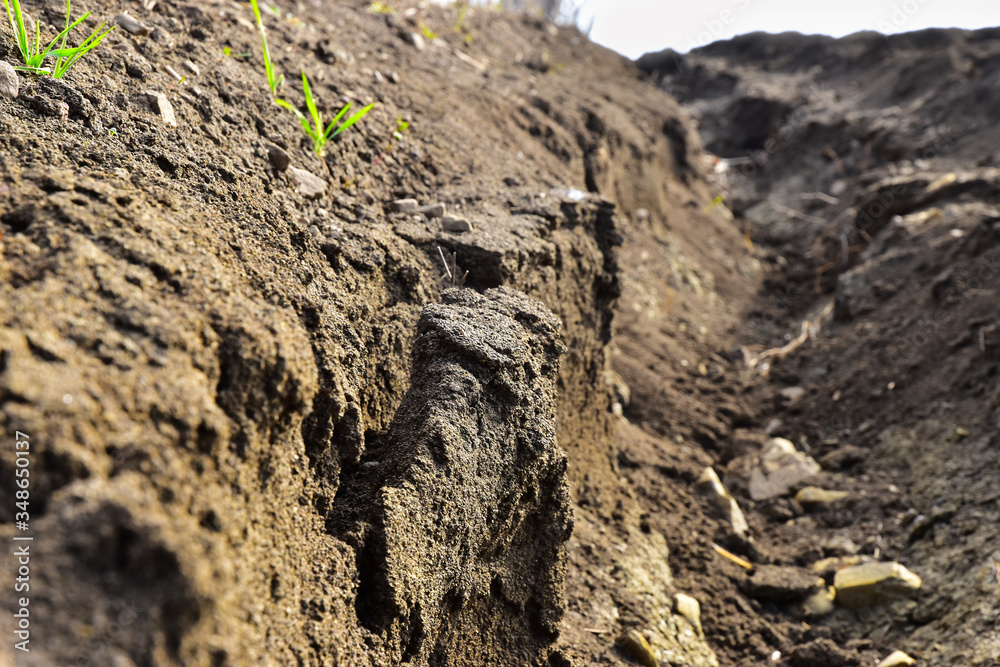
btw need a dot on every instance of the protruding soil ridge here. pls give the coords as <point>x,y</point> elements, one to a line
<point>460,513</point>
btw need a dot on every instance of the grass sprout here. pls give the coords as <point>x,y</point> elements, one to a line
<point>31,50</point>
<point>315,129</point>
<point>273,79</point>
<point>67,57</point>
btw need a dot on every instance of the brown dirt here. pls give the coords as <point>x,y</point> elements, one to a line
<point>208,363</point>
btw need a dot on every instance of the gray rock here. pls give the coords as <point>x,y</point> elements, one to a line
<point>160,104</point>
<point>775,583</point>
<point>405,206</point>
<point>309,185</point>
<point>9,83</point>
<point>469,468</point>
<point>781,468</point>
<point>454,224</point>
<point>432,210</point>
<point>278,157</point>
<point>132,25</point>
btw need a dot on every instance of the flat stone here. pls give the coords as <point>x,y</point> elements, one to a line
<point>811,496</point>
<point>406,206</point>
<point>896,659</point>
<point>278,157</point>
<point>870,584</point>
<point>725,505</point>
<point>432,210</point>
<point>132,25</point>
<point>778,583</point>
<point>9,83</point>
<point>309,185</point>
<point>160,104</point>
<point>451,223</point>
<point>689,608</point>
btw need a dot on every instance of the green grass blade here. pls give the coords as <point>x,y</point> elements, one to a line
<point>354,119</point>
<point>298,114</point>
<point>336,119</point>
<point>62,35</point>
<point>73,55</point>
<point>311,104</point>
<point>16,18</point>
<point>272,81</point>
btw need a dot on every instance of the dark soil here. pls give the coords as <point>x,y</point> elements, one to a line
<point>244,453</point>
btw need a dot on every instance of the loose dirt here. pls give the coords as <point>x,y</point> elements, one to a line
<point>208,358</point>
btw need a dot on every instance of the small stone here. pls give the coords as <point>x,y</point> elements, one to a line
<point>162,105</point>
<point>132,25</point>
<point>278,157</point>
<point>415,39</point>
<point>781,467</point>
<point>393,76</point>
<point>820,603</point>
<point>872,583</point>
<point>710,485</point>
<point>792,395</point>
<point>636,647</point>
<point>310,185</point>
<point>777,583</point>
<point>641,215</point>
<point>451,223</point>
<point>432,210</point>
<point>689,608</point>
<point>9,83</point>
<point>897,659</point>
<point>191,67</point>
<point>405,206</point>
<point>812,496</point>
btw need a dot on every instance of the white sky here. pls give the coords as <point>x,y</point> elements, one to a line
<point>634,27</point>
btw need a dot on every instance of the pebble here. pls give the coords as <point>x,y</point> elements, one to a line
<point>9,83</point>
<point>896,659</point>
<point>820,603</point>
<point>132,25</point>
<point>191,67</point>
<point>451,223</point>
<point>393,76</point>
<point>161,104</point>
<point>432,210</point>
<point>278,157</point>
<point>689,608</point>
<point>415,39</point>
<point>781,467</point>
<point>310,185</point>
<point>710,485</point>
<point>871,583</point>
<point>812,496</point>
<point>405,206</point>
<point>637,648</point>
